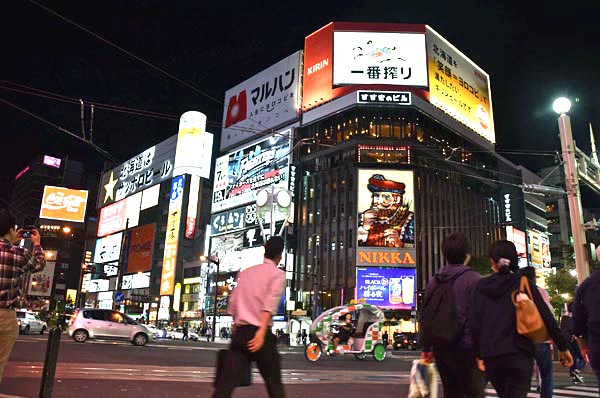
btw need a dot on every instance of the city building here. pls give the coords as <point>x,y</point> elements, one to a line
<point>151,215</point>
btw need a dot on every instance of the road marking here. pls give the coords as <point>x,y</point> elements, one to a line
<point>563,392</point>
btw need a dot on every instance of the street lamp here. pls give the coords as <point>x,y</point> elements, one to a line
<point>561,106</point>
<point>214,260</point>
<point>267,200</point>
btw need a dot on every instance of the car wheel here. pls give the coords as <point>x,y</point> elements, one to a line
<point>43,330</point>
<point>313,352</point>
<point>379,352</point>
<point>140,339</point>
<point>80,335</point>
<point>360,356</point>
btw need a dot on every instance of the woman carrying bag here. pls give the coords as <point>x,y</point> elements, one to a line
<point>503,311</point>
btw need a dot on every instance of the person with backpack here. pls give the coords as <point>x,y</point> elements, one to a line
<point>505,355</point>
<point>444,327</point>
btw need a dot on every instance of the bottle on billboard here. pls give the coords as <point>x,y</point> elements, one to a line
<point>408,289</point>
<point>395,291</point>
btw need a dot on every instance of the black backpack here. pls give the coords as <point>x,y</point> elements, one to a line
<point>439,321</point>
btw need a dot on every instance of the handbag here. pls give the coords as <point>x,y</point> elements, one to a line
<point>233,366</point>
<point>529,321</point>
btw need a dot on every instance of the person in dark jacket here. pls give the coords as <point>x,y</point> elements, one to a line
<point>457,363</point>
<point>586,320</point>
<point>566,327</point>
<point>505,355</point>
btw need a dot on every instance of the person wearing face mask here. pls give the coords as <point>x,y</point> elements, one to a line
<point>506,356</point>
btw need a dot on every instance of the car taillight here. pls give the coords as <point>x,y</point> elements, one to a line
<point>405,341</point>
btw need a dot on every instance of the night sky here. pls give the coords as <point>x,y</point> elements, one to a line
<point>532,55</point>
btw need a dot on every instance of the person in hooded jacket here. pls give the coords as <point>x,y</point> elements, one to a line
<point>506,356</point>
<point>457,363</point>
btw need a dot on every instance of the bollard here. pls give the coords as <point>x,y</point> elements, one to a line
<point>50,363</point>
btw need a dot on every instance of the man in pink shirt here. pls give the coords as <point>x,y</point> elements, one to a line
<point>252,305</point>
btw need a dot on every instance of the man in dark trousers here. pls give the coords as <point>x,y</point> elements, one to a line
<point>457,362</point>
<point>586,320</point>
<point>252,305</point>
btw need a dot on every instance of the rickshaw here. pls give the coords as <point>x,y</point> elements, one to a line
<point>366,338</point>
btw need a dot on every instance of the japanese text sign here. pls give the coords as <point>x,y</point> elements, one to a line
<point>108,249</point>
<point>383,97</point>
<point>63,204</point>
<point>390,288</point>
<point>379,58</point>
<point>167,281</point>
<point>117,216</point>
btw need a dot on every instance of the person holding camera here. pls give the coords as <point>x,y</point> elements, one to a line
<point>15,263</point>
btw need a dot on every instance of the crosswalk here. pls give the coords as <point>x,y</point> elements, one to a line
<point>559,392</point>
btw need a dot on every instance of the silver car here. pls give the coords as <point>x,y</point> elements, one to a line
<point>30,322</point>
<point>98,323</point>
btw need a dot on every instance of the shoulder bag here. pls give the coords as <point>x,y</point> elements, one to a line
<point>529,321</point>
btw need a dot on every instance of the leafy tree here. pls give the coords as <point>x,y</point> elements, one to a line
<point>558,284</point>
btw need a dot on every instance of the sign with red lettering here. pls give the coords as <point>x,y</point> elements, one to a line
<point>386,257</point>
<point>112,218</point>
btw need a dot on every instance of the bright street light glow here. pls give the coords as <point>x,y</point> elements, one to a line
<point>66,230</point>
<point>561,105</point>
<point>573,272</point>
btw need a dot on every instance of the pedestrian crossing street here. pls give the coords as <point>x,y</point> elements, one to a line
<point>580,391</point>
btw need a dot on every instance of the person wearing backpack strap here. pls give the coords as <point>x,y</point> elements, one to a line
<point>443,321</point>
<point>505,355</point>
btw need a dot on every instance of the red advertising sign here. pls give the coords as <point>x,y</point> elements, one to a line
<point>112,218</point>
<point>140,248</point>
<point>190,227</point>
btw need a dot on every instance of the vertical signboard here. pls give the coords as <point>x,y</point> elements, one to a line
<point>386,218</point>
<point>519,238</point>
<point>141,244</point>
<point>459,87</point>
<point>167,280</point>
<point>194,146</point>
<point>264,101</point>
<point>192,210</point>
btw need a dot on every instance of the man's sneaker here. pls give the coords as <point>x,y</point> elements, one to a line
<point>576,377</point>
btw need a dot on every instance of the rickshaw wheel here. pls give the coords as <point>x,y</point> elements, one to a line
<point>379,352</point>
<point>313,352</point>
<point>361,355</point>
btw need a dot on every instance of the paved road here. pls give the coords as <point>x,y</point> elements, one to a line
<point>185,369</point>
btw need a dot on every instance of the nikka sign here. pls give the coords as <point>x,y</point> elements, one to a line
<point>386,257</point>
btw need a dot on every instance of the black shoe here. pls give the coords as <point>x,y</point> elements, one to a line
<point>576,377</point>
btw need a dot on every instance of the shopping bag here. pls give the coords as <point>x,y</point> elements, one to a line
<point>233,366</point>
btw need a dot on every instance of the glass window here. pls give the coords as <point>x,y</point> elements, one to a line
<point>117,317</point>
<point>21,315</point>
<point>96,315</point>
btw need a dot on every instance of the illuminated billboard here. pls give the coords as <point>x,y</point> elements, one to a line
<point>40,283</point>
<point>386,218</point>
<point>389,58</point>
<point>115,217</point>
<point>539,249</point>
<point>141,245</point>
<point>388,288</point>
<point>240,174</point>
<point>108,249</point>
<point>262,102</point>
<point>63,204</point>
<point>52,161</point>
<point>194,146</point>
<point>167,280</point>
<point>519,238</point>
<point>151,167</point>
<point>459,87</point>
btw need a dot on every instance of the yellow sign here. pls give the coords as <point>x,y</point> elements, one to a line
<point>177,297</point>
<point>167,280</point>
<point>71,296</point>
<point>63,204</point>
<point>459,87</point>
<point>385,257</point>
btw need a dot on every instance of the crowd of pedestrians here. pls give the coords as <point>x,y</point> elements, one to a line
<point>479,338</point>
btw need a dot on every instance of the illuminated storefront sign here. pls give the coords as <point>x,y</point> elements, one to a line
<point>379,58</point>
<point>108,249</point>
<point>390,288</point>
<point>519,238</point>
<point>264,101</point>
<point>148,168</point>
<point>139,280</point>
<point>98,285</point>
<point>386,220</point>
<point>383,97</point>
<point>63,204</point>
<point>40,283</point>
<point>141,245</point>
<point>194,146</point>
<point>233,220</point>
<point>459,87</point>
<point>507,208</point>
<point>167,281</point>
<point>150,197</point>
<point>539,249</point>
<point>52,161</point>
<point>192,210</point>
<point>117,216</point>
<point>239,175</point>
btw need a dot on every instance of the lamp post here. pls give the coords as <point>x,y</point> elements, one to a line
<point>561,106</point>
<point>214,260</point>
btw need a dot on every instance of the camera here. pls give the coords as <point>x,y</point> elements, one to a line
<point>26,232</point>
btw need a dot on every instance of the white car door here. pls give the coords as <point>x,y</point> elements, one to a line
<point>34,326</point>
<point>119,327</point>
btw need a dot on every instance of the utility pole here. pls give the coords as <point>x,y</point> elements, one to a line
<point>120,268</point>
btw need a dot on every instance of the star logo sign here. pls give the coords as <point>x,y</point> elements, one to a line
<point>110,188</point>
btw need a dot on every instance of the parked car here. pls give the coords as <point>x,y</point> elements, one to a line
<point>89,323</point>
<point>177,334</point>
<point>158,333</point>
<point>30,322</point>
<point>409,341</point>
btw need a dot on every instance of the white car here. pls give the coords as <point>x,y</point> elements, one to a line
<point>158,333</point>
<point>92,323</point>
<point>30,322</point>
<point>177,334</point>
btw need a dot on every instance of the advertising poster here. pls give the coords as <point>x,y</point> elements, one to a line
<point>114,217</point>
<point>63,204</point>
<point>192,139</point>
<point>539,249</point>
<point>141,244</point>
<point>459,87</point>
<point>519,238</point>
<point>239,175</point>
<point>167,280</point>
<point>148,168</point>
<point>386,218</point>
<point>108,249</point>
<point>40,283</point>
<point>264,101</point>
<point>388,288</point>
<point>379,58</point>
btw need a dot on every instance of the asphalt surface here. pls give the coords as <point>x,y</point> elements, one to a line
<point>186,369</point>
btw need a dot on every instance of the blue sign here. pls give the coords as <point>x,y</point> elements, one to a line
<point>177,187</point>
<point>392,288</point>
<point>119,297</point>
